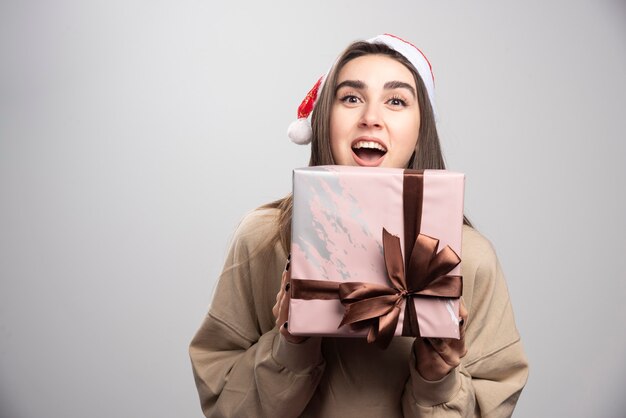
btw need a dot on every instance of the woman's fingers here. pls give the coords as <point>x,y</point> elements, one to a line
<point>430,365</point>
<point>279,295</point>
<point>463,322</point>
<point>283,302</point>
<point>437,356</point>
<point>450,351</point>
<point>281,291</point>
<point>462,309</point>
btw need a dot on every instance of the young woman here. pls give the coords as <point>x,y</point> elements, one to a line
<point>375,108</point>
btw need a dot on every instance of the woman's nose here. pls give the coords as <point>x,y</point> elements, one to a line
<point>371,117</point>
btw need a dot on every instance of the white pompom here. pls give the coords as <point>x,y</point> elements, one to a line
<point>300,131</point>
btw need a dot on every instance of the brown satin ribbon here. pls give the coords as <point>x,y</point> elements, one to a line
<point>378,306</point>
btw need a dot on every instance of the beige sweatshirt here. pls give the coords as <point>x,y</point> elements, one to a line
<point>244,368</point>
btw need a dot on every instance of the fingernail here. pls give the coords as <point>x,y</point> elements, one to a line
<point>461,322</point>
<point>287,286</point>
<point>287,266</point>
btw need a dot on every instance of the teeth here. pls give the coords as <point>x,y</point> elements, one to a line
<point>369,144</point>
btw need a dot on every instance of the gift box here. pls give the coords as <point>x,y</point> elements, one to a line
<point>376,252</point>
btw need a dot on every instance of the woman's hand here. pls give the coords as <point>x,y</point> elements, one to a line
<point>435,357</point>
<point>281,308</point>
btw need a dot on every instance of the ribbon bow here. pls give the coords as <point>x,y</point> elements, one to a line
<point>378,306</point>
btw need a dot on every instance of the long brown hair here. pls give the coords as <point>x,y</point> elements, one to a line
<point>427,154</point>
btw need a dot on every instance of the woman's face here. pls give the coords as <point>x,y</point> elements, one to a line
<point>375,117</point>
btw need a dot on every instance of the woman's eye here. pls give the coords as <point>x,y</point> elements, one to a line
<point>396,101</point>
<point>350,99</point>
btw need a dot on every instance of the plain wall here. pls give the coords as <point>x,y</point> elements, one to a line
<point>134,135</point>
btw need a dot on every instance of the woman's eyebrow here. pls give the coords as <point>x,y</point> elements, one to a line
<point>355,84</point>
<point>390,85</point>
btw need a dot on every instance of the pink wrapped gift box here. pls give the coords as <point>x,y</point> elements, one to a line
<point>339,213</point>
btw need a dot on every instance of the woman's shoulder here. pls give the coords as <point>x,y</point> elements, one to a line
<point>257,228</point>
<point>477,250</point>
<point>474,240</point>
<point>259,221</point>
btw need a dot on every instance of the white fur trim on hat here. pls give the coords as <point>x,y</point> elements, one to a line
<point>300,131</point>
<point>415,57</point>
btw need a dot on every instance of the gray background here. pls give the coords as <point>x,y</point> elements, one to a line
<point>134,135</point>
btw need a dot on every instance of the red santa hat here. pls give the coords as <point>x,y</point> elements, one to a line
<point>300,130</point>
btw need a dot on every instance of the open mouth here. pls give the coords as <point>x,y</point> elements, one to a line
<point>368,153</point>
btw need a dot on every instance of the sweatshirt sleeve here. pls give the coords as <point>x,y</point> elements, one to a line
<point>243,367</point>
<point>494,371</point>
